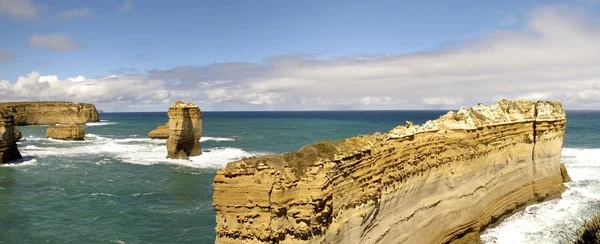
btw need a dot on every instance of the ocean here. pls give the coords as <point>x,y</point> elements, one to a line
<point>117,186</point>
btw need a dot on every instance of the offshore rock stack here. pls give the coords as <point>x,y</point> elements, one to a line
<point>70,132</point>
<point>8,138</point>
<point>185,130</point>
<point>444,181</point>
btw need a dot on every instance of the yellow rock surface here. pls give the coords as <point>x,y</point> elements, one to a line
<point>71,132</point>
<point>8,139</point>
<point>161,132</point>
<point>185,130</point>
<point>443,181</point>
<point>49,113</point>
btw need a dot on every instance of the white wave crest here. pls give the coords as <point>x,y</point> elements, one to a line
<point>144,151</point>
<point>101,123</point>
<point>208,138</point>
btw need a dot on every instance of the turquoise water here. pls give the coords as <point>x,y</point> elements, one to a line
<point>117,186</point>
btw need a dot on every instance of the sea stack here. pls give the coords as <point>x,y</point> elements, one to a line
<point>185,130</point>
<point>8,139</point>
<point>444,181</point>
<point>49,113</point>
<point>70,132</point>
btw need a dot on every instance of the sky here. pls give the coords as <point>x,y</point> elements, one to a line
<point>134,55</point>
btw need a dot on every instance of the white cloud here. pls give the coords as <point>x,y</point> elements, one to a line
<point>5,56</point>
<point>112,91</point>
<point>554,56</point>
<point>126,6</point>
<point>74,13</point>
<point>57,42</point>
<point>19,9</point>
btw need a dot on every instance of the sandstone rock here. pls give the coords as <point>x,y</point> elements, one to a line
<point>185,129</point>
<point>8,139</point>
<point>18,134</point>
<point>49,113</point>
<point>440,182</point>
<point>161,132</point>
<point>564,174</point>
<point>70,132</point>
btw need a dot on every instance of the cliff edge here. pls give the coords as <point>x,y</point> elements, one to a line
<point>440,182</point>
<point>47,113</point>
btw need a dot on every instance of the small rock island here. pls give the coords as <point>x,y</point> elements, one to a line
<point>69,132</point>
<point>441,182</point>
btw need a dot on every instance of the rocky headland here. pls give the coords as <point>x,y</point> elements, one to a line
<point>441,182</point>
<point>185,130</point>
<point>69,132</point>
<point>8,139</point>
<point>49,113</point>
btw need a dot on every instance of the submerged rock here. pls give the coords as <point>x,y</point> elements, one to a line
<point>185,130</point>
<point>440,182</point>
<point>8,139</point>
<point>70,132</point>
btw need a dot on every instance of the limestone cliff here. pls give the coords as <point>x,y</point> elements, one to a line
<point>70,132</point>
<point>441,182</point>
<point>47,113</point>
<point>161,132</point>
<point>185,130</point>
<point>8,139</point>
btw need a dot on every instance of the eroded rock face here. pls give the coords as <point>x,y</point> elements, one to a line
<point>49,113</point>
<point>444,181</point>
<point>161,132</point>
<point>70,132</point>
<point>185,130</point>
<point>8,139</point>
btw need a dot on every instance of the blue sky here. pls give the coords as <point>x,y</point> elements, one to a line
<point>152,41</point>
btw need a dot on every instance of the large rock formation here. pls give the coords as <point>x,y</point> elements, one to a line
<point>444,181</point>
<point>8,139</point>
<point>70,132</point>
<point>161,132</point>
<point>185,129</point>
<point>47,113</point>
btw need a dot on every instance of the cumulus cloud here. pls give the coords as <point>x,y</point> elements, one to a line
<point>59,42</point>
<point>111,91</point>
<point>554,56</point>
<point>5,56</point>
<point>126,6</point>
<point>19,9</point>
<point>74,13</point>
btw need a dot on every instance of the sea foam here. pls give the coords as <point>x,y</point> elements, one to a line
<point>143,151</point>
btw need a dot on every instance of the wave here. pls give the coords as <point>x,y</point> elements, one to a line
<point>208,138</point>
<point>550,221</point>
<point>144,151</point>
<point>101,123</point>
<point>25,161</point>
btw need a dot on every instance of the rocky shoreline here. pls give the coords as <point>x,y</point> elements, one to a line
<point>444,181</point>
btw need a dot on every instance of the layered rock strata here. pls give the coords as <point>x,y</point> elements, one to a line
<point>441,182</point>
<point>161,132</point>
<point>185,130</point>
<point>8,139</point>
<point>70,132</point>
<point>48,113</point>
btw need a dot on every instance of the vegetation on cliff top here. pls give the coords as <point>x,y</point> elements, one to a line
<point>589,233</point>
